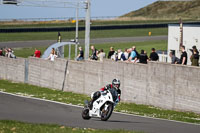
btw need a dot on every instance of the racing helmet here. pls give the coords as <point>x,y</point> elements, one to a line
<point>116,83</point>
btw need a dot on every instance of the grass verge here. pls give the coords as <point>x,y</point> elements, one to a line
<point>32,36</point>
<point>158,45</point>
<point>16,127</point>
<point>78,99</point>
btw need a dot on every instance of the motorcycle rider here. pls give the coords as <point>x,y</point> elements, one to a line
<point>115,85</point>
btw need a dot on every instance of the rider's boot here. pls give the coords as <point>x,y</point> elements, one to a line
<point>90,104</point>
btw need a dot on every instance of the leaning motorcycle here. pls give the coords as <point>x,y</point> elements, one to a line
<point>102,107</point>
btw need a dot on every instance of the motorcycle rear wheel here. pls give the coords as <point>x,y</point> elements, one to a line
<point>106,115</point>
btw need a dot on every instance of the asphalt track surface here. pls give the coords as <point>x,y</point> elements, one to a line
<point>21,44</point>
<point>39,111</point>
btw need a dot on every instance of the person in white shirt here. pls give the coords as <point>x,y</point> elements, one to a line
<point>53,55</point>
<point>101,55</point>
<point>126,53</point>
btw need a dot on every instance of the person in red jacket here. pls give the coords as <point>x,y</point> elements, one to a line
<point>37,53</point>
<point>115,85</point>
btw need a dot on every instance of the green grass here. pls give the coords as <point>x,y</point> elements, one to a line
<point>78,99</point>
<point>32,36</point>
<point>159,45</point>
<point>21,127</point>
<point>168,10</point>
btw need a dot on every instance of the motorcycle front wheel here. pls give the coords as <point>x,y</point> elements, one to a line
<point>106,113</point>
<point>85,114</point>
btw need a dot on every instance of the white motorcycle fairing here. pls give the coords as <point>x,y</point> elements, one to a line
<point>104,98</point>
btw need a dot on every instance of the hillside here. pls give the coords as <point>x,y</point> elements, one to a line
<point>168,10</point>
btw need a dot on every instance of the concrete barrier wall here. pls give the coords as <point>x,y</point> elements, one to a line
<point>12,69</point>
<point>158,84</point>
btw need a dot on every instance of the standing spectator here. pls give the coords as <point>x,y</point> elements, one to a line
<point>101,55</point>
<point>111,52</point>
<point>174,59</point>
<point>154,56</point>
<point>126,53</point>
<point>94,53</point>
<point>53,55</point>
<point>1,52</point>
<point>120,55</point>
<point>195,48</point>
<point>133,56</point>
<point>183,59</point>
<point>37,53</point>
<point>59,37</point>
<point>195,57</point>
<point>80,55</point>
<point>143,57</point>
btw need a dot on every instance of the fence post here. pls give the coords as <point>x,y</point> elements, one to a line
<point>63,86</point>
<point>26,70</point>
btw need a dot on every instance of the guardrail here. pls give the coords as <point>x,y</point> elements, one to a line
<point>110,27</point>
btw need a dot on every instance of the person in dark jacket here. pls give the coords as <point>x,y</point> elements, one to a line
<point>143,57</point>
<point>195,56</point>
<point>111,52</point>
<point>184,56</point>
<point>154,56</point>
<point>94,53</point>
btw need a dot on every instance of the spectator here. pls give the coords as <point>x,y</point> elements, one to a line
<point>80,55</point>
<point>183,59</point>
<point>111,52</point>
<point>101,55</point>
<point>1,52</point>
<point>94,53</point>
<point>10,53</point>
<point>133,56</point>
<point>154,56</point>
<point>6,52</point>
<point>59,37</point>
<point>195,57</point>
<point>126,53</point>
<point>143,57</point>
<point>120,55</point>
<point>195,48</point>
<point>37,53</point>
<point>174,59</point>
<point>53,55</point>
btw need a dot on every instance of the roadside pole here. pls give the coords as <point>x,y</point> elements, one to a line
<point>76,39</point>
<point>87,29</point>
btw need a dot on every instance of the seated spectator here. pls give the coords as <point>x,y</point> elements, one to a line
<point>120,55</point>
<point>154,56</point>
<point>53,55</point>
<point>6,52</point>
<point>94,53</point>
<point>101,55</point>
<point>195,57</point>
<point>80,55</point>
<point>111,52</point>
<point>133,57</point>
<point>37,53</point>
<point>174,59</point>
<point>126,53</point>
<point>143,57</point>
<point>1,52</point>
<point>10,53</point>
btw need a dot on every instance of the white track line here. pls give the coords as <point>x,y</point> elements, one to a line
<point>82,107</point>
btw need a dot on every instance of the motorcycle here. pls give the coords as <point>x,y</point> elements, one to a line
<point>102,107</point>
